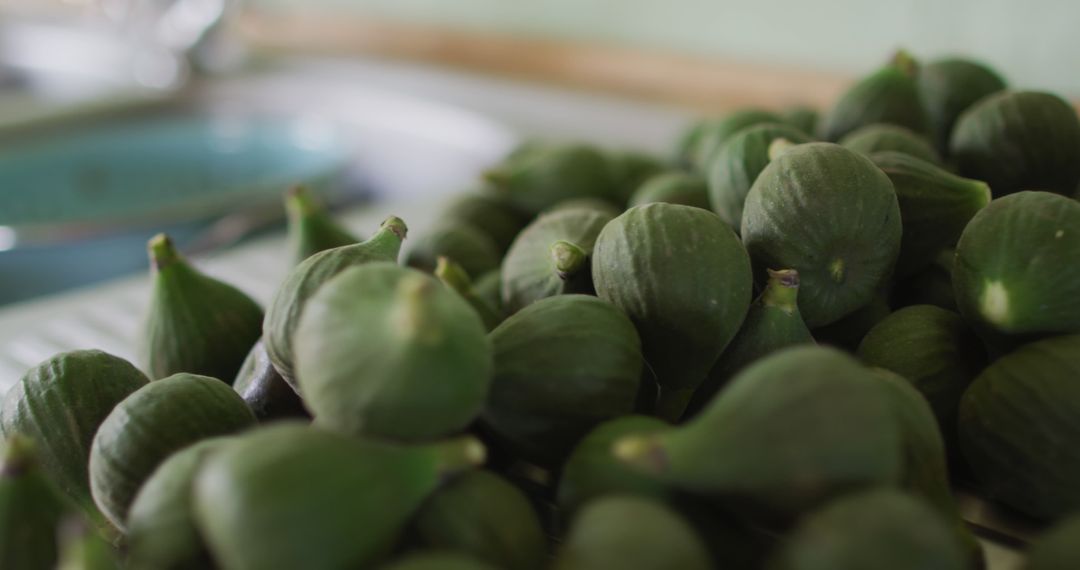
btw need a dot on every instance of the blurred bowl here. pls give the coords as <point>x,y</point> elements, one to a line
<point>78,204</point>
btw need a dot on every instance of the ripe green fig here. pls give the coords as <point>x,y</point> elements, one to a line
<point>673,187</point>
<point>948,87</point>
<point>544,177</point>
<point>883,137</point>
<point>311,229</point>
<point>454,276</point>
<point>630,169</point>
<point>488,213</point>
<point>889,95</point>
<point>717,132</point>
<point>30,509</point>
<point>464,244</point>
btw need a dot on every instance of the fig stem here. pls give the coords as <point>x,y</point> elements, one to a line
<point>905,62</point>
<point>497,177</point>
<point>453,275</point>
<point>162,252</point>
<point>459,454</point>
<point>778,146</point>
<point>300,203</point>
<point>782,291</point>
<point>394,225</point>
<point>569,259</point>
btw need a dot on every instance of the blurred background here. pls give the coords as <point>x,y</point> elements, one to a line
<point>122,118</point>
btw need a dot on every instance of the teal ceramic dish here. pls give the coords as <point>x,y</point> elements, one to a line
<point>77,205</point>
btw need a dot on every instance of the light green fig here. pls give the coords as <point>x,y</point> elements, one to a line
<point>883,137</point>
<point>889,95</point>
<point>310,228</point>
<point>682,277</point>
<point>464,244</point>
<point>264,390</point>
<point>630,169</point>
<point>489,214</point>
<point>454,276</point>
<point>948,87</point>
<point>60,404</point>
<point>601,206</point>
<point>335,501</point>
<point>30,509</point>
<point>150,425</point>
<point>551,256</point>
<point>631,533</point>
<point>673,187</point>
<point>543,178</point>
<point>830,214</point>
<point>419,368</point>
<point>195,323</point>
<point>802,117</point>
<point>283,313</point>
<point>716,133</point>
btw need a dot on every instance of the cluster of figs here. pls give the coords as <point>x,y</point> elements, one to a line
<point>785,347</point>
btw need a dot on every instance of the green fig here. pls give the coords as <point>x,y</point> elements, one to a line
<point>419,367</point>
<point>551,256</point>
<point>593,471</point>
<point>883,137</point>
<point>311,229</point>
<point>889,95</point>
<point>291,496</point>
<point>674,187</point>
<point>781,437</point>
<point>454,276</point>
<point>1019,140</point>
<point>264,390</point>
<point>772,323</point>
<point>600,206</point>
<point>488,288</point>
<point>802,117</point>
<point>848,332</point>
<point>562,366</point>
<point>883,529</point>
<point>739,162</point>
<point>488,213</point>
<point>935,207</point>
<point>1014,266</point>
<point>1017,422</point>
<point>833,216</point>
<point>195,323</point>
<point>934,350</point>
<point>631,533</point>
<point>161,531</point>
<point>81,548</point>
<point>437,560</point>
<point>483,515</point>
<point>1057,548</point>
<point>930,286</point>
<point>60,404</point>
<point>466,245</point>
<point>541,179</point>
<point>686,147</point>
<point>947,87</point>
<point>630,169</point>
<point>717,133</point>
<point>150,425</point>
<point>30,509</point>
<point>283,313</point>
<point>684,280</point>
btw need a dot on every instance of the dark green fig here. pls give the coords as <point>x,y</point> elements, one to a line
<point>889,95</point>
<point>674,187</point>
<point>454,276</point>
<point>483,515</point>
<point>195,323</point>
<point>487,213</point>
<point>772,323</point>
<point>931,286</point>
<point>883,137</point>
<point>264,390</point>
<point>471,248</point>
<point>283,313</point>
<point>30,509</point>
<point>1016,424</point>
<point>780,438</point>
<point>717,133</point>
<point>311,229</point>
<point>922,448</point>
<point>1057,548</point>
<point>848,332</point>
<point>59,404</point>
<point>437,560</point>
<point>684,280</point>
<point>935,207</point>
<point>739,162</point>
<point>830,214</point>
<point>551,257</point>
<point>593,471</point>
<point>489,288</point>
<point>161,531</point>
<point>934,350</point>
<point>630,169</point>
<point>947,87</point>
<point>883,529</point>
<point>81,548</point>
<point>1013,273</point>
<point>802,117</point>
<point>562,366</point>
<point>150,425</point>
<point>543,178</point>
<point>418,368</point>
<point>291,496</point>
<point>601,206</point>
<point>1019,140</point>
<point>631,533</point>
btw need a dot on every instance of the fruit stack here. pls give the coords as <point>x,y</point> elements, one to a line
<point>781,349</point>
